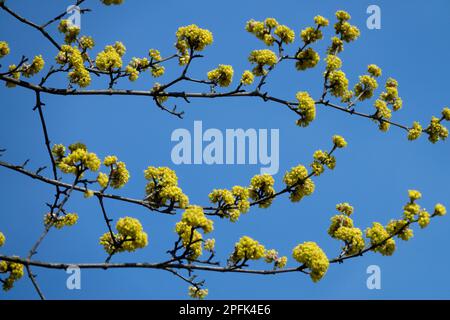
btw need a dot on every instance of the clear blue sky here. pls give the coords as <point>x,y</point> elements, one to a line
<point>373,173</point>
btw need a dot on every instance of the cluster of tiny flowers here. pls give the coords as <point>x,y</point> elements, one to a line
<point>342,228</point>
<point>321,21</point>
<point>162,188</point>
<point>135,66</point>
<point>336,46</point>
<point>160,94</point>
<point>70,31</point>
<point>77,161</point>
<point>4,49</point>
<point>400,229</point>
<point>66,220</point>
<point>13,73</point>
<point>261,190</point>
<point>311,35</point>
<point>2,239</point>
<point>338,83</point>
<point>383,113</point>
<point>130,237</point>
<point>333,62</point>
<point>72,56</point>
<point>374,70</point>
<point>111,57</point>
<point>343,28</point>
<point>339,141</point>
<point>365,88</point>
<point>263,31</point>
<point>247,78</point>
<point>311,255</point>
<point>380,239</point>
<point>321,159</point>
<point>247,249</point>
<point>29,70</point>
<point>436,130</point>
<point>415,131</point>
<point>118,175</point>
<point>231,203</point>
<point>86,42</point>
<point>197,293</point>
<point>298,183</point>
<point>222,75</point>
<point>209,244</point>
<point>193,218</point>
<point>261,58</point>
<point>271,256</point>
<point>191,38</point>
<point>15,271</point>
<point>110,2</point>
<point>306,107</point>
<point>390,96</point>
<point>307,59</point>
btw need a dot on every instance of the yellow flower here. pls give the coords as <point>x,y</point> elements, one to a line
<point>110,2</point>
<point>197,293</point>
<point>155,54</point>
<point>311,35</point>
<point>439,210</point>
<point>29,70</point>
<point>312,256</point>
<point>261,58</point>
<point>130,237</point>
<point>4,49</point>
<point>285,34</point>
<point>307,59</point>
<point>247,78</point>
<point>15,75</point>
<point>339,141</point>
<point>424,219</point>
<point>86,42</point>
<point>345,208</point>
<point>333,62</point>
<point>414,195</point>
<point>321,21</point>
<point>415,132</point>
<point>194,217</point>
<point>247,249</point>
<point>338,83</point>
<point>299,183</point>
<point>446,113</point>
<point>109,58</point>
<point>103,179</point>
<point>380,238</point>
<point>307,108</point>
<point>399,228</point>
<point>2,239</point>
<point>67,220</point>
<point>374,70</point>
<point>209,244</point>
<point>223,75</point>
<point>261,190</point>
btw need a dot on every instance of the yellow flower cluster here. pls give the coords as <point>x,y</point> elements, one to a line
<point>160,94</point>
<point>390,96</point>
<point>439,210</point>
<point>162,188</point>
<point>197,293</point>
<point>436,131</point>
<point>261,190</point>
<point>154,54</point>
<point>322,158</point>
<point>209,244</point>
<point>321,21</point>
<point>365,87</point>
<point>222,75</point>
<point>345,208</point>
<point>247,249</point>
<point>194,218</point>
<point>15,74</point>
<point>15,273</point>
<point>311,35</point>
<point>415,132</point>
<point>111,57</point>
<point>382,113</point>
<point>343,28</point>
<point>298,182</point>
<point>400,228</point>
<point>339,141</point>
<point>110,2</point>
<point>307,108</point>
<point>263,31</point>
<point>67,220</point>
<point>337,45</point>
<point>71,55</point>
<point>271,256</point>
<point>307,59</point>
<point>333,62</point>
<point>374,70</point>
<point>77,161</point>
<point>231,203</point>
<point>312,256</point>
<point>118,175</point>
<point>261,58</point>
<point>29,70</point>
<point>380,238</point>
<point>4,49</point>
<point>86,43</point>
<point>191,38</point>
<point>70,31</point>
<point>130,237</point>
<point>2,239</point>
<point>446,113</point>
<point>247,78</point>
<point>339,221</point>
<point>353,239</point>
<point>135,66</point>
<point>338,83</point>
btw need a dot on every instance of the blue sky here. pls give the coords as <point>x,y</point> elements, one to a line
<point>373,173</point>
